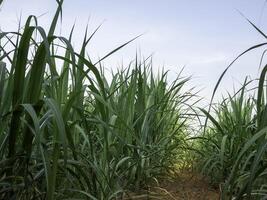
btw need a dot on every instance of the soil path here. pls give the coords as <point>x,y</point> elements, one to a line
<point>185,186</point>
<point>188,186</point>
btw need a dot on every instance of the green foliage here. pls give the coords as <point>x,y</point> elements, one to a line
<point>233,145</point>
<point>67,132</point>
<point>233,125</point>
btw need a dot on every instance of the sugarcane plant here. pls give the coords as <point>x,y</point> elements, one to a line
<point>233,141</point>
<point>67,131</point>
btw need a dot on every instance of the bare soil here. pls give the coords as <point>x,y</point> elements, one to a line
<point>185,186</point>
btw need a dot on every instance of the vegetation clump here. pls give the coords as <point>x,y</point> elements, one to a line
<point>69,132</point>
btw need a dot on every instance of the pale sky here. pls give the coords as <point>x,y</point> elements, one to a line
<point>204,35</point>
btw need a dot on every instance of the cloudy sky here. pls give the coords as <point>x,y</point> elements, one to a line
<point>203,35</point>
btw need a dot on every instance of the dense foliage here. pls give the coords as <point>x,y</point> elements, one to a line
<point>233,143</point>
<point>67,132</point>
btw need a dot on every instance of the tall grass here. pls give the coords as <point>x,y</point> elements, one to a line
<point>68,132</point>
<point>233,144</point>
<point>229,130</point>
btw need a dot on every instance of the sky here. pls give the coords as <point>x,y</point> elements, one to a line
<point>202,35</point>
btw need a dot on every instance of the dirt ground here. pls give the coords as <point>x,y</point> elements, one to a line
<point>185,186</point>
